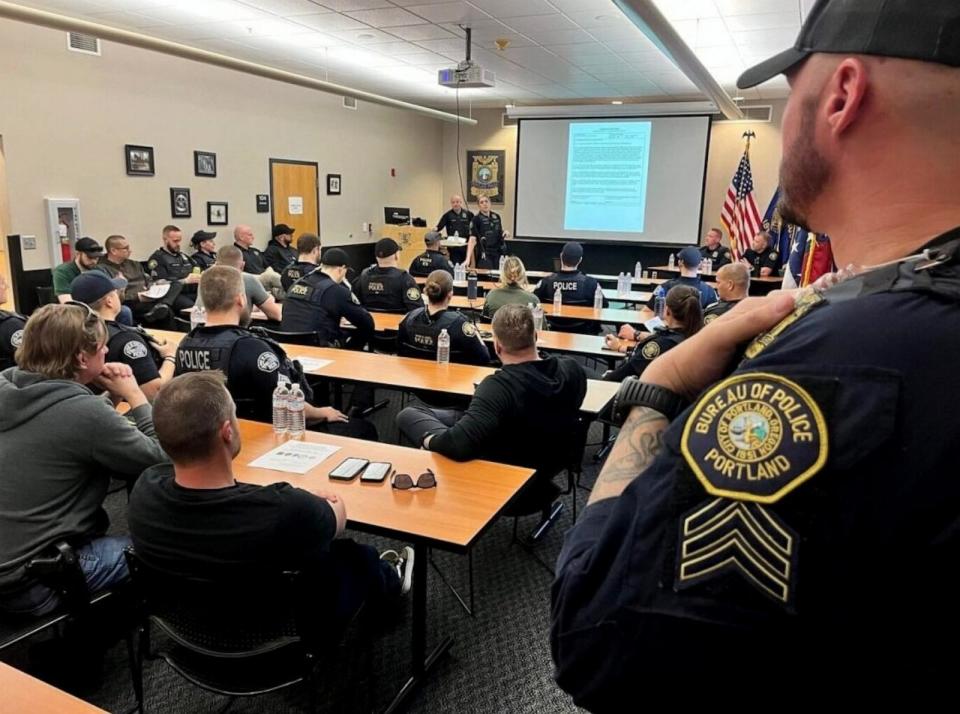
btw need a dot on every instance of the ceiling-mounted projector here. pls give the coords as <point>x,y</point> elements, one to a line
<point>468,74</point>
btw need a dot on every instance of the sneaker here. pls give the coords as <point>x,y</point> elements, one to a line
<point>403,563</point>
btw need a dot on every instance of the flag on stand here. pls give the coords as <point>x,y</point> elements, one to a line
<point>805,256</point>
<point>739,213</point>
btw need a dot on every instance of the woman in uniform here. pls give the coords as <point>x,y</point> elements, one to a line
<point>487,237</point>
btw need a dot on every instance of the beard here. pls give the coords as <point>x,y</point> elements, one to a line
<point>804,172</point>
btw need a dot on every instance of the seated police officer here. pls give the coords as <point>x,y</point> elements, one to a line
<point>308,256</point>
<point>319,301</point>
<point>682,317</point>
<point>421,328</point>
<point>761,258</point>
<point>254,261</point>
<point>251,363</point>
<point>733,284</point>
<point>385,287</point>
<point>205,249</point>
<point>575,288</point>
<point>171,264</point>
<point>431,259</point>
<point>279,253</point>
<point>714,251</point>
<point>151,360</point>
<point>11,330</point>
<point>117,264</point>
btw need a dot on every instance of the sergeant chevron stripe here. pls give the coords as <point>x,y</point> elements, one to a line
<point>735,536</point>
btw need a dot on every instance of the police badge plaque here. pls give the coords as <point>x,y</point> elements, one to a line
<point>487,168</point>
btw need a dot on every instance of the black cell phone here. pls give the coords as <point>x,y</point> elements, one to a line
<point>377,471</point>
<point>349,468</point>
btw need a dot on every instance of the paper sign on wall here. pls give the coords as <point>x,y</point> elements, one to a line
<point>295,204</point>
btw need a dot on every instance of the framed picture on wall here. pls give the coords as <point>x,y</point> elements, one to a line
<point>139,160</point>
<point>217,213</point>
<point>204,163</point>
<point>180,202</point>
<point>486,168</point>
<point>333,184</point>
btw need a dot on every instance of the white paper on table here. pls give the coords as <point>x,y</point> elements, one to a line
<point>652,324</point>
<point>311,364</point>
<point>295,205</point>
<point>156,291</point>
<point>296,457</point>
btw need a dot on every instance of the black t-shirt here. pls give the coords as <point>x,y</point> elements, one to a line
<point>227,532</point>
<point>279,256</point>
<point>767,258</point>
<point>11,336</point>
<point>456,223</point>
<point>128,346</point>
<point>719,256</point>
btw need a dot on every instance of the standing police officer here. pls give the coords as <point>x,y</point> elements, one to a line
<point>308,255</point>
<point>205,250</point>
<point>171,264</point>
<point>384,286</point>
<point>761,257</point>
<point>421,328</point>
<point>251,363</point>
<point>714,251</point>
<point>487,237</point>
<point>317,302</point>
<point>11,330</point>
<point>801,513</point>
<point>456,224</point>
<point>431,259</point>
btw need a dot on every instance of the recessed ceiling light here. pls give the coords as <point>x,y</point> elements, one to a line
<point>603,18</point>
<point>365,36</point>
<point>616,101</point>
<point>738,99</point>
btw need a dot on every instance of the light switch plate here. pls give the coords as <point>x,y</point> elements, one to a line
<point>28,242</point>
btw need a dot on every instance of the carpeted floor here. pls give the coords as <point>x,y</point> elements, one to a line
<point>499,662</point>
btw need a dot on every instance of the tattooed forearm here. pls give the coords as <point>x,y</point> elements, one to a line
<point>639,442</point>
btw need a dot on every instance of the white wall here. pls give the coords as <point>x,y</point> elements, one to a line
<point>67,116</point>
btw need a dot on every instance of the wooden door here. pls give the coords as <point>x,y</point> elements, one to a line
<point>294,195</point>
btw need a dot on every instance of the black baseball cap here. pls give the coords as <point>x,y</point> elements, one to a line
<point>925,30</point>
<point>334,257</point>
<point>571,253</point>
<point>200,236</point>
<point>386,247</point>
<point>282,229</point>
<point>92,285</point>
<point>88,246</point>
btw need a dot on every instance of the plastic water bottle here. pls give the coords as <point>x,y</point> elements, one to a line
<point>709,266</point>
<point>280,413</point>
<point>659,301</point>
<point>622,283</point>
<point>472,287</point>
<point>443,347</point>
<point>672,263</point>
<point>598,298</point>
<point>557,301</point>
<point>637,271</point>
<point>503,259</point>
<point>537,316</point>
<point>297,421</point>
<point>198,317</point>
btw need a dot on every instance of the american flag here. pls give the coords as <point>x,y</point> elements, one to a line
<point>739,213</point>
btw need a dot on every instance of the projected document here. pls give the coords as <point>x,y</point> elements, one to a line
<point>607,176</point>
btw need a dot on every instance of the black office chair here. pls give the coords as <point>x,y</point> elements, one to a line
<point>45,295</point>
<point>296,338</point>
<point>181,325</point>
<point>238,638</point>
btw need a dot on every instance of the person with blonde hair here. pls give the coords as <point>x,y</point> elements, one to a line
<point>60,444</point>
<point>512,289</point>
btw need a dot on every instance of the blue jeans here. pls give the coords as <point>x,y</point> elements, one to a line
<point>126,316</point>
<point>103,566</point>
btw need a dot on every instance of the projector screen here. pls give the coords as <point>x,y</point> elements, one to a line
<point>636,179</point>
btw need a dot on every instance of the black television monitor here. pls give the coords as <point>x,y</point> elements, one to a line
<point>396,216</point>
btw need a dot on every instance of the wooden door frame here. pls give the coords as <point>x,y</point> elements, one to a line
<point>315,165</point>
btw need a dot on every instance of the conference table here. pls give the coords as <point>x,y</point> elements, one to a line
<point>636,297</point>
<point>20,693</point>
<point>467,500</point>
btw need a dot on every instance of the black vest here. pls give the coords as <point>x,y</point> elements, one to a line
<point>456,224</point>
<point>8,346</point>
<point>303,311</point>
<point>715,310</point>
<point>292,273</point>
<point>419,333</point>
<point>427,262</point>
<point>575,288</point>
<point>204,260</point>
<point>382,289</point>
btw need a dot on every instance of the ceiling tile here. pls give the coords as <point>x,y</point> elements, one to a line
<point>451,47</point>
<point>686,9</point>
<point>184,11</point>
<point>754,7</point>
<point>540,23</point>
<point>501,9</point>
<point>424,58</point>
<point>416,33</point>
<point>287,8</point>
<point>595,6</point>
<point>351,5</point>
<point>411,3</point>
<point>366,36</point>
<point>449,12</point>
<point>398,48</point>
<point>600,21</point>
<point>127,19</point>
<point>328,22</point>
<point>764,41</point>
<point>561,37</point>
<point>387,17</point>
<point>766,21</point>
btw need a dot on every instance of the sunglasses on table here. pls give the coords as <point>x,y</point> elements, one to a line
<point>404,482</point>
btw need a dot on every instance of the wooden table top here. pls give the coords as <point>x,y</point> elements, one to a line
<point>468,496</point>
<point>712,276</point>
<point>412,373</point>
<point>23,693</point>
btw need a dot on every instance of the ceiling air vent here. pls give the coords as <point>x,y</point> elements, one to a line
<point>80,42</point>
<point>350,103</point>
<point>754,113</point>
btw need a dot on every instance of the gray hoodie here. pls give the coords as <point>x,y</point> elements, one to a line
<point>59,446</point>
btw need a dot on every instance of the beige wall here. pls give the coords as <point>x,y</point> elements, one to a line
<point>726,147</point>
<point>66,117</point>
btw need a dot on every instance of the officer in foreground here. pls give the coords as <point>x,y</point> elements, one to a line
<point>431,259</point>
<point>384,286</point>
<point>794,526</point>
<point>252,363</point>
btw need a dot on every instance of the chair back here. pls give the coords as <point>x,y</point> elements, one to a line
<point>294,338</point>
<point>45,295</point>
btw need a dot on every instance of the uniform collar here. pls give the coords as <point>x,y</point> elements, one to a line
<point>169,252</point>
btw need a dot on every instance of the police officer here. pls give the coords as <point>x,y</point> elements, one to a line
<point>762,259</point>
<point>456,224</point>
<point>431,259</point>
<point>205,249</point>
<point>714,251</point>
<point>317,302</point>
<point>252,363</point>
<point>487,236</point>
<point>421,328</point>
<point>308,256</point>
<point>384,286</point>
<point>799,513</point>
<point>682,318</point>
<point>11,330</point>
<point>171,264</point>
<point>253,260</point>
<point>733,284</point>
<point>279,253</point>
<point>151,360</point>
<point>575,289</point>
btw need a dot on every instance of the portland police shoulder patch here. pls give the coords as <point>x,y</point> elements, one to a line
<point>152,264</point>
<point>707,319</point>
<point>268,362</point>
<point>135,349</point>
<point>16,339</point>
<point>413,293</point>
<point>755,437</point>
<point>650,350</point>
<point>469,329</point>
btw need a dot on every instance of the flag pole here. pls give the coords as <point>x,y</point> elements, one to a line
<point>748,135</point>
